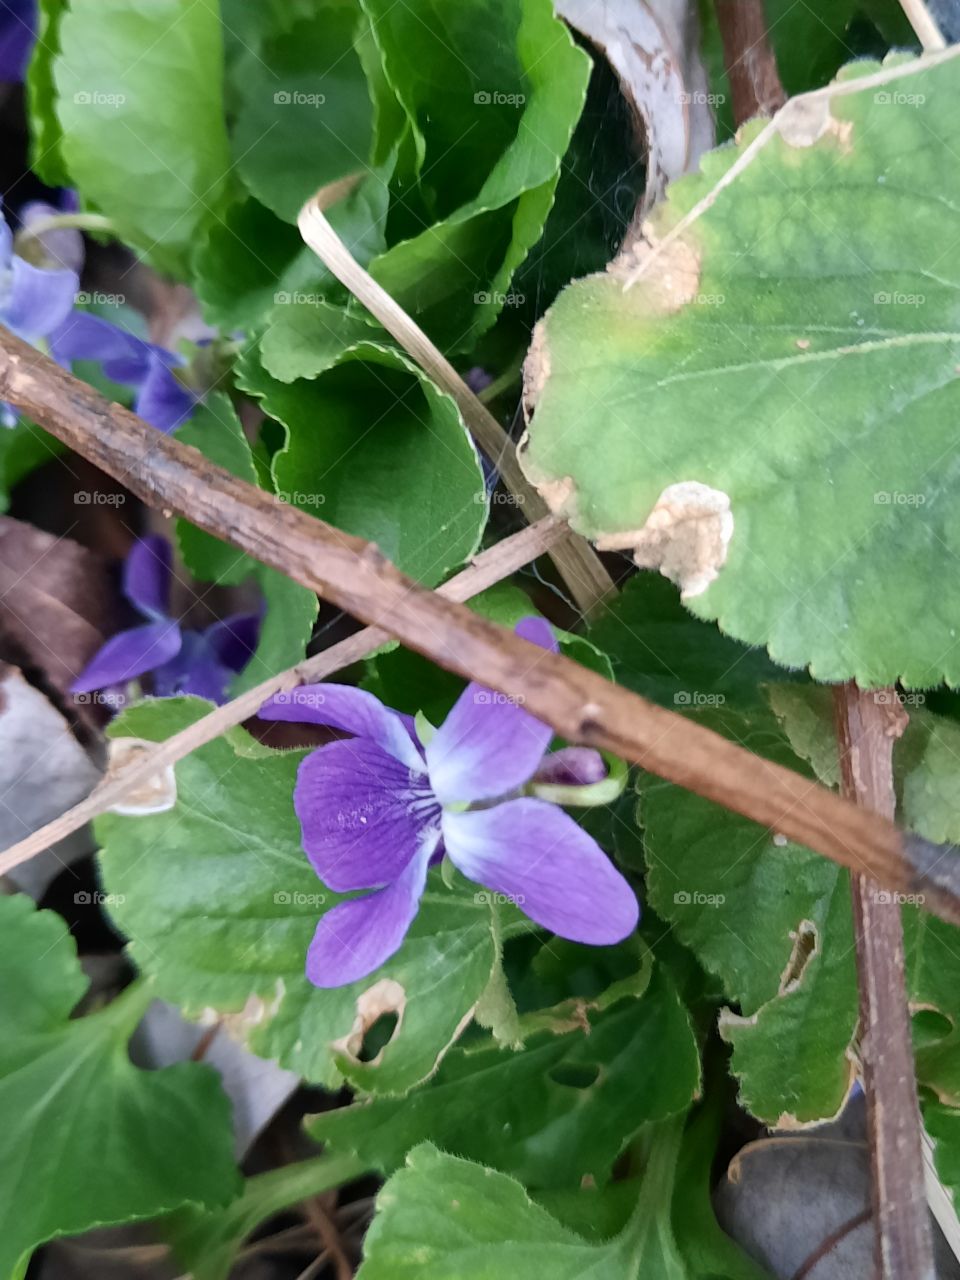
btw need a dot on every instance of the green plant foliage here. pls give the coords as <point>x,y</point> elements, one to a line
<point>68,1088</point>
<point>159,175</point>
<point>570,1099</point>
<point>376,449</point>
<point>779,317</point>
<point>224,920</point>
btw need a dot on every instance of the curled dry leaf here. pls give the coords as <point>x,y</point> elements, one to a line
<point>57,604</point>
<point>652,45</point>
<point>45,770</point>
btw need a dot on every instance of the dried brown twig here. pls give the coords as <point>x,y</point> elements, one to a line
<point>868,725</point>
<point>579,705</point>
<point>488,568</point>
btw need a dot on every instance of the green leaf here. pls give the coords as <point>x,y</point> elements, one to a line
<point>140,86</point>
<point>253,269</point>
<point>240,264</point>
<point>216,431</point>
<point>46,136</point>
<point>552,1114</point>
<point>660,651</point>
<point>68,1090</point>
<point>377,450</point>
<point>492,90</point>
<point>290,612</point>
<point>207,1241</point>
<point>307,336</point>
<point>773,920</point>
<point>816,351</point>
<point>306,116</point>
<point>442,1218</point>
<point>707,1250</point>
<point>224,919</point>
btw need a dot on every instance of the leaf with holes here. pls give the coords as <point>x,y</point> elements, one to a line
<point>569,1101</point>
<point>223,920</point>
<point>731,400</point>
<point>773,921</point>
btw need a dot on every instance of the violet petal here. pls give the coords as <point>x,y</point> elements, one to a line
<point>356,937</point>
<point>18,29</point>
<point>162,399</point>
<point>147,571</point>
<point>339,706</point>
<point>123,356</point>
<point>130,654</point>
<point>234,639</point>
<point>62,246</point>
<point>363,814</point>
<point>572,767</point>
<point>488,745</point>
<point>39,300</point>
<point>537,855</point>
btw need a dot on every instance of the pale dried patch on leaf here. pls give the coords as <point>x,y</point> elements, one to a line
<point>383,998</point>
<point>536,371</point>
<point>155,794</point>
<point>806,945</point>
<point>240,1024</point>
<point>804,121</point>
<point>669,269</point>
<point>686,536</point>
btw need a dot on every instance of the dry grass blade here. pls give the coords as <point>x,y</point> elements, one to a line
<point>579,565</point>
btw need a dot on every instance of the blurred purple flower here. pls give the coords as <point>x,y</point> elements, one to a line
<point>18,31</point>
<point>37,303</point>
<point>181,661</point>
<point>33,300</point>
<point>377,809</point>
<point>161,398</point>
<point>60,246</point>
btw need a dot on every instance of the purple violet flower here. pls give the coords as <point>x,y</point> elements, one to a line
<point>18,31</point>
<point>378,809</point>
<point>37,303</point>
<point>33,300</point>
<point>161,398</point>
<point>195,662</point>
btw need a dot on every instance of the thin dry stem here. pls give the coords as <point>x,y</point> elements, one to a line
<point>579,565</point>
<point>488,568</point>
<point>577,703</point>
<point>925,29</point>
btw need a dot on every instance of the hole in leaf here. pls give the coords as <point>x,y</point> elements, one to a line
<point>576,1075</point>
<point>377,1037</point>
<point>929,1026</point>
